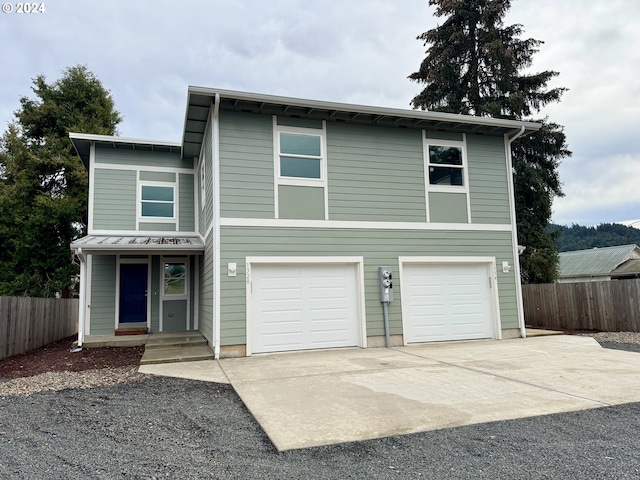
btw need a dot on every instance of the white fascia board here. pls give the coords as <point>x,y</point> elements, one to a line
<point>365,109</point>
<point>108,138</point>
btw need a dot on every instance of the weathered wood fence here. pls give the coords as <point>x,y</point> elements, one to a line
<point>606,306</point>
<point>29,323</point>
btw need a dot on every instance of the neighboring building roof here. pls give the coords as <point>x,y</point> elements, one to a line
<point>82,143</point>
<point>596,261</point>
<point>140,243</point>
<point>200,99</point>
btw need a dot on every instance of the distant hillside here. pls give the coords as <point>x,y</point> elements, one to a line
<point>578,237</point>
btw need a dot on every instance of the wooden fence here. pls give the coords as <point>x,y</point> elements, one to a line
<point>605,306</point>
<point>29,323</point>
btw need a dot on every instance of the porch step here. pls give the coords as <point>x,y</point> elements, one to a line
<point>162,340</point>
<point>130,331</point>
<point>176,353</point>
<point>176,347</point>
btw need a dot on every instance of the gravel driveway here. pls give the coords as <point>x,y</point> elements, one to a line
<point>160,427</point>
<point>172,428</point>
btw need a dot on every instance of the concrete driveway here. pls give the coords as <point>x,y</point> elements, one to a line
<point>314,398</point>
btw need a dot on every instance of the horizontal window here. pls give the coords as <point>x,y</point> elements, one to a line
<point>300,167</point>
<point>445,176</point>
<point>157,201</point>
<point>445,155</point>
<point>296,144</point>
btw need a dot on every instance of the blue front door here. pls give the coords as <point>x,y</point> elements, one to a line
<point>133,292</point>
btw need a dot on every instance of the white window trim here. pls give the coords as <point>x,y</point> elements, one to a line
<point>147,183</point>
<point>278,180</point>
<point>426,143</point>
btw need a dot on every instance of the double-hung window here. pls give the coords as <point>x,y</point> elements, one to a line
<point>300,172</point>
<point>446,165</point>
<point>157,201</point>
<point>300,156</point>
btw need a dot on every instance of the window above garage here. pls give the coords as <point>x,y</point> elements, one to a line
<point>300,172</point>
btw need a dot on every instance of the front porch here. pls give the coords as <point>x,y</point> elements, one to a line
<point>159,347</point>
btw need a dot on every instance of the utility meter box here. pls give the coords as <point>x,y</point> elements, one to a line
<point>386,284</point>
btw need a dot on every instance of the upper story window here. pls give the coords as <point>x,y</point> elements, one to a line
<point>157,201</point>
<point>300,155</point>
<point>446,164</point>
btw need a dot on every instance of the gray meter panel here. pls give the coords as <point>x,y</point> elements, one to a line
<point>386,284</point>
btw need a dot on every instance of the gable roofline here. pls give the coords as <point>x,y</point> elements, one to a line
<point>199,100</point>
<point>82,143</point>
<point>595,261</point>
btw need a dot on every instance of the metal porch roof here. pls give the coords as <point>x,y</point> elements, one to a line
<point>138,243</point>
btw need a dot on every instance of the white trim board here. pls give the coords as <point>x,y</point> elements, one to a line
<point>294,260</point>
<point>347,224</point>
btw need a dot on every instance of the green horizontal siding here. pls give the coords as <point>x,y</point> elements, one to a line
<point>205,299</point>
<point>114,199</point>
<point>378,247</point>
<point>156,227</point>
<point>206,214</point>
<point>120,156</point>
<point>375,173</point>
<point>488,180</point>
<point>185,202</point>
<point>246,165</point>
<point>103,295</point>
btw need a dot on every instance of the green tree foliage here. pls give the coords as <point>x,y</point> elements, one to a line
<point>578,237</point>
<point>43,184</point>
<point>476,66</point>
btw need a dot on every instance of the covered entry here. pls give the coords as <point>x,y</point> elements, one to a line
<point>448,299</point>
<point>137,284</point>
<point>298,305</point>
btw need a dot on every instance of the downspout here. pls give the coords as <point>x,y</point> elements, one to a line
<point>216,225</point>
<point>514,229</point>
<point>82,300</point>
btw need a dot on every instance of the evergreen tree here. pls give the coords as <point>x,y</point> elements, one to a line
<point>43,184</point>
<point>474,66</point>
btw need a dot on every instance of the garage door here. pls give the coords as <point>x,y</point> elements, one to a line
<point>300,307</point>
<point>447,302</point>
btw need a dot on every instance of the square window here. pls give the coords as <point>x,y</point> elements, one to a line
<point>446,165</point>
<point>157,201</point>
<point>300,156</point>
<point>175,278</point>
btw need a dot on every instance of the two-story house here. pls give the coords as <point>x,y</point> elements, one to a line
<point>265,227</point>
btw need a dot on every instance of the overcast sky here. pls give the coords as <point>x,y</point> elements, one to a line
<point>146,52</point>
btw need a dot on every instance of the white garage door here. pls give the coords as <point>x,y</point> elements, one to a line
<point>300,307</point>
<point>447,302</point>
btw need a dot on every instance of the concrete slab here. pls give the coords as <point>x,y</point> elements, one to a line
<point>176,353</point>
<point>317,398</point>
<point>204,370</point>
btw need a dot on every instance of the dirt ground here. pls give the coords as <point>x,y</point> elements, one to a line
<point>56,357</point>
